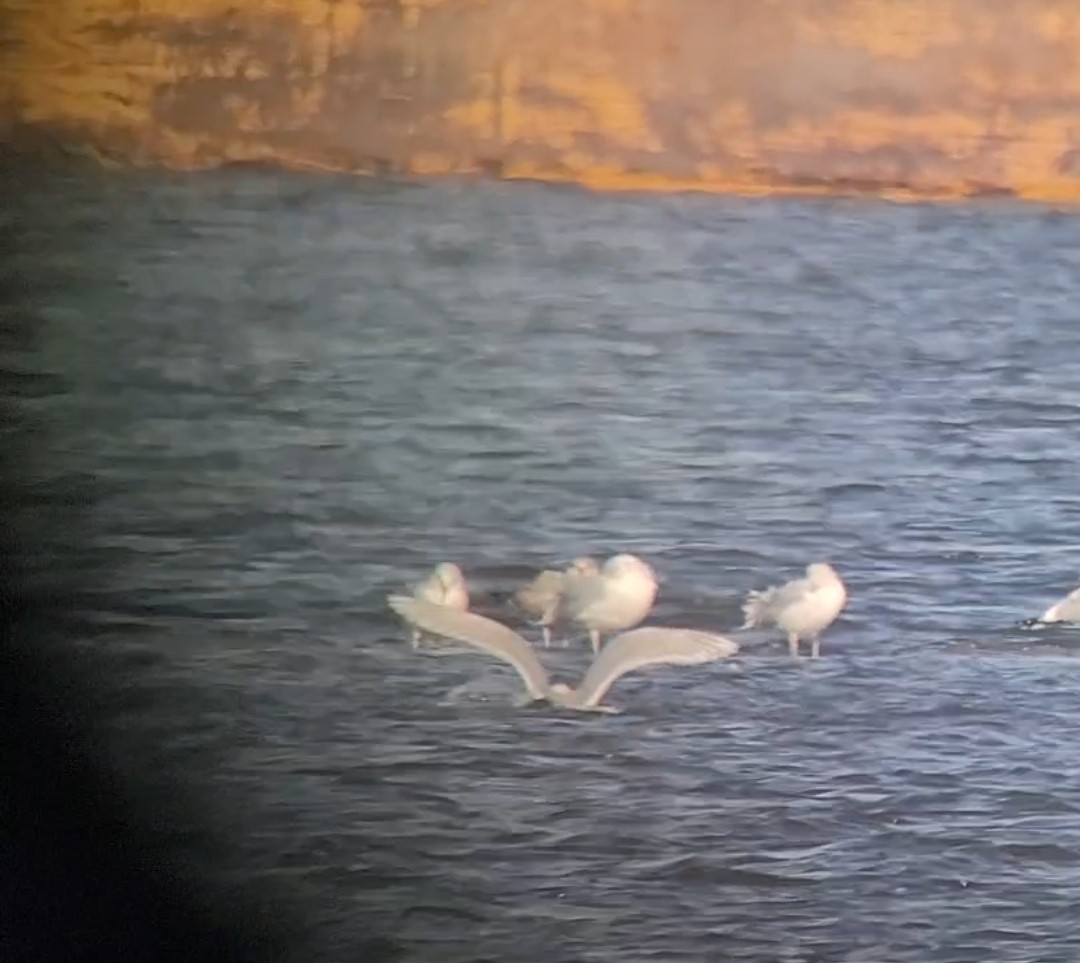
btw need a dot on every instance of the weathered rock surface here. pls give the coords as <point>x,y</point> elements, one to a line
<point>944,97</point>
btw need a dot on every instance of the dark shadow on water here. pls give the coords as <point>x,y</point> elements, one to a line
<point>111,849</point>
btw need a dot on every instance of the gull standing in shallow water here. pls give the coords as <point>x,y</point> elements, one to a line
<point>1067,610</point>
<point>617,598</point>
<point>631,650</point>
<point>445,586</point>
<point>539,600</point>
<point>803,608</point>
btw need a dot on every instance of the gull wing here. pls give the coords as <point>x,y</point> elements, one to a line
<point>580,593</point>
<point>650,645</point>
<point>541,594</point>
<point>763,607</point>
<point>485,634</point>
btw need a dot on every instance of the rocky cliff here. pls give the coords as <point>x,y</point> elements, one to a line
<point>946,97</point>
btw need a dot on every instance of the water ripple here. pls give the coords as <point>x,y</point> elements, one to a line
<point>296,395</point>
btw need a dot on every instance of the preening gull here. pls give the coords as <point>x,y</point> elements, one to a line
<point>617,598</point>
<point>445,586</point>
<point>636,649</point>
<point>539,600</point>
<point>1067,610</point>
<point>803,608</point>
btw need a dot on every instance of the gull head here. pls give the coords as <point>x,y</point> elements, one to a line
<point>821,574</point>
<point>448,574</point>
<point>628,568</point>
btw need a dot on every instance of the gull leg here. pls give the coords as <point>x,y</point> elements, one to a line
<point>815,648</point>
<point>415,639</point>
<point>546,621</point>
<point>594,638</point>
<point>793,645</point>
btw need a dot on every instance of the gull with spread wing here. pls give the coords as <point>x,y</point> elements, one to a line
<point>636,649</point>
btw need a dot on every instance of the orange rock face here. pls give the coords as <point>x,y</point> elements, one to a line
<point>906,97</point>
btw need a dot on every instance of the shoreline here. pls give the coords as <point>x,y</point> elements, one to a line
<point>48,150</point>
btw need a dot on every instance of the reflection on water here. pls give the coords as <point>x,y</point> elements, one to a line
<point>296,394</point>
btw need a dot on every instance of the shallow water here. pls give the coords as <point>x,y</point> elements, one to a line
<point>294,394</point>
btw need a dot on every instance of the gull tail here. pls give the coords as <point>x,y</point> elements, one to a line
<point>1050,617</point>
<point>756,608</point>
